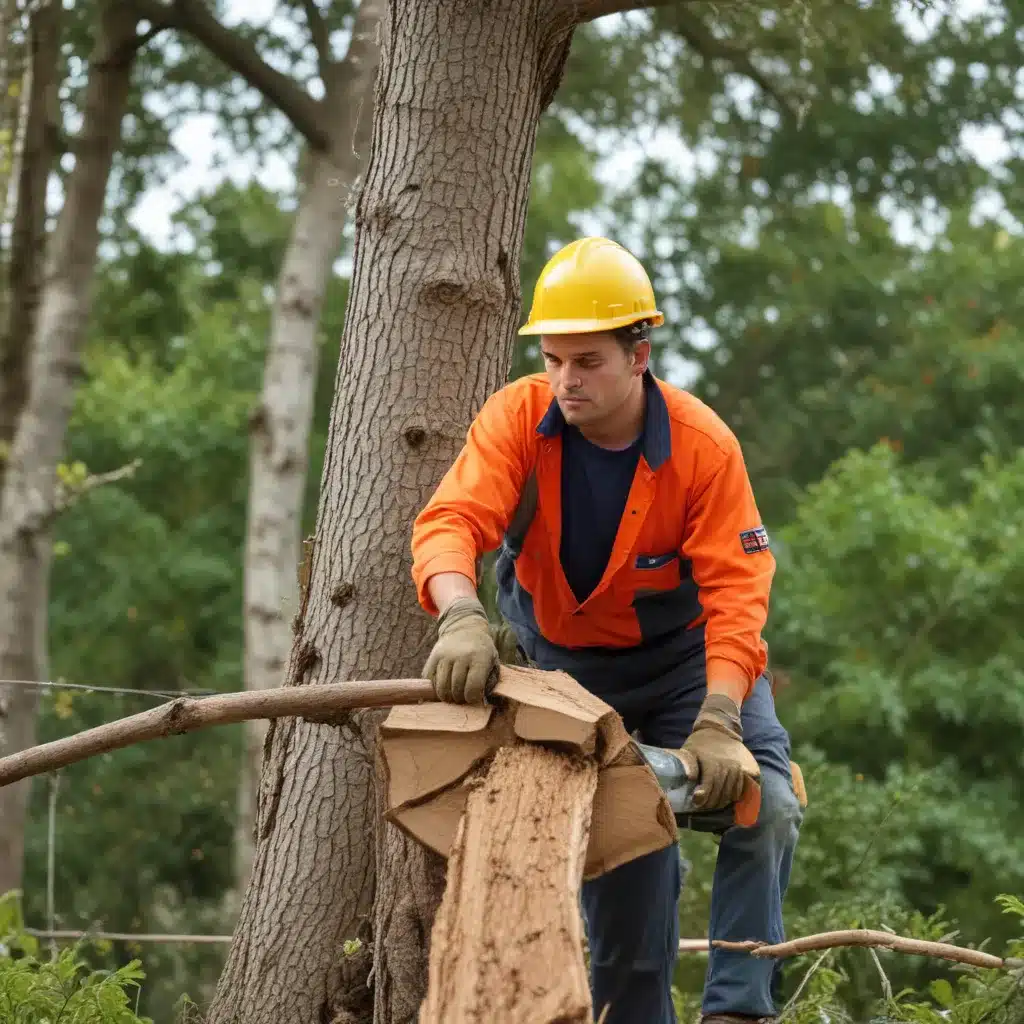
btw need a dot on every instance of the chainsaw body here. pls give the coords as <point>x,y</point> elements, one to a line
<point>679,785</point>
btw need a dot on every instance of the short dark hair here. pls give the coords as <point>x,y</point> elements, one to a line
<point>632,334</point>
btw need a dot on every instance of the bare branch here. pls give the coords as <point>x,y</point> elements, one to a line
<point>76,936</point>
<point>67,495</point>
<point>195,18</point>
<point>704,41</point>
<point>320,703</point>
<point>874,939</point>
<point>318,33</point>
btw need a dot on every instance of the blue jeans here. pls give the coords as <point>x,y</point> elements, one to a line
<point>631,912</point>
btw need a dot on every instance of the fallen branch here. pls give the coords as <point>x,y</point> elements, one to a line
<point>870,938</point>
<point>321,703</point>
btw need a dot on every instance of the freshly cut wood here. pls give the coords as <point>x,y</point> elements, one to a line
<point>507,943</point>
<point>428,756</point>
<point>322,703</point>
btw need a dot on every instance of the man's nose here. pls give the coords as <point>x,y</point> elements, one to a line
<point>570,377</point>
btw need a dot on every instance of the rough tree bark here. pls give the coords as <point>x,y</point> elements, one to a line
<point>32,165</point>
<point>434,302</point>
<point>280,426</point>
<point>27,502</point>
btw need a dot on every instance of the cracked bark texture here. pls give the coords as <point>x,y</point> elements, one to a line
<point>432,311</point>
<point>280,425</point>
<point>27,498</point>
<point>508,940</point>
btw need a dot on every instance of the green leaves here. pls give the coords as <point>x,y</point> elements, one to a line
<point>63,989</point>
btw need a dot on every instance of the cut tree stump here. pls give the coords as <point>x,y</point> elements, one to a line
<point>527,798</point>
<point>507,943</point>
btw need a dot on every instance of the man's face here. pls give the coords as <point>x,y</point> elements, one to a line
<point>591,375</point>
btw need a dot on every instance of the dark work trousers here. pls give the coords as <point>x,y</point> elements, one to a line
<point>631,912</point>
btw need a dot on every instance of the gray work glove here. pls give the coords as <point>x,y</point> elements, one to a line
<point>464,659</point>
<point>726,766</point>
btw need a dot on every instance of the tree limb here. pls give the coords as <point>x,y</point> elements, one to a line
<point>320,703</point>
<point>196,19</point>
<point>318,33</point>
<point>870,938</point>
<point>704,41</point>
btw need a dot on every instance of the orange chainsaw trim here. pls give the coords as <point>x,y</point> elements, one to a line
<point>748,807</point>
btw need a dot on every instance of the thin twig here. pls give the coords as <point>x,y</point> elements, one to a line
<point>886,985</point>
<point>67,496</point>
<point>48,933</point>
<point>50,684</point>
<point>803,984</point>
<point>870,937</point>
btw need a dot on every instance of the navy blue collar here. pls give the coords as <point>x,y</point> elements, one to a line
<point>656,433</point>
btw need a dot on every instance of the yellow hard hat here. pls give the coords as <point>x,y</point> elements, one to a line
<point>592,284</point>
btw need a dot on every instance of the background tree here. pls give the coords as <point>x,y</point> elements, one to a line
<point>28,498</point>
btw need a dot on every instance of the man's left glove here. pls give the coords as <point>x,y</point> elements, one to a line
<point>716,741</point>
<point>464,658</point>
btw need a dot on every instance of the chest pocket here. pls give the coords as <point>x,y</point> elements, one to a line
<point>653,574</point>
<point>665,596</point>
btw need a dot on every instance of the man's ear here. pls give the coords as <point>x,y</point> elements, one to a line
<point>641,358</point>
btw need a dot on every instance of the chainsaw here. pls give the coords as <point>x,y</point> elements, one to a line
<point>678,774</point>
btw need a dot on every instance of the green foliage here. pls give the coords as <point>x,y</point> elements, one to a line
<point>63,989</point>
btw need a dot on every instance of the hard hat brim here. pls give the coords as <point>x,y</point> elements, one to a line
<point>590,326</point>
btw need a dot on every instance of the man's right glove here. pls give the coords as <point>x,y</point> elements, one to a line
<point>726,765</point>
<point>464,659</point>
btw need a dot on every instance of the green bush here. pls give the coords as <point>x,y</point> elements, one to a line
<point>62,990</point>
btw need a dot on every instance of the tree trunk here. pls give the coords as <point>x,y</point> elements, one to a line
<point>13,68</point>
<point>30,174</point>
<point>14,74</point>
<point>508,941</point>
<point>27,499</point>
<point>428,332</point>
<point>281,424</point>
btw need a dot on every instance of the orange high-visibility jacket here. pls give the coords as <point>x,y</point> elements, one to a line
<point>690,549</point>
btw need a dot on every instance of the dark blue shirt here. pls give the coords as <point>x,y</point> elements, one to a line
<point>595,487</point>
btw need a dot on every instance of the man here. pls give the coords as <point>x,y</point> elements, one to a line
<point>632,557</point>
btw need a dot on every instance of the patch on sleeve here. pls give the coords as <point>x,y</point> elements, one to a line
<point>755,540</point>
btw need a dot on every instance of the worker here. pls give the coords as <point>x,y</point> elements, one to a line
<point>631,556</point>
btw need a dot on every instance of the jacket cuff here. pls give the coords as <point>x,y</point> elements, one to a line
<point>726,670</point>
<point>444,561</point>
